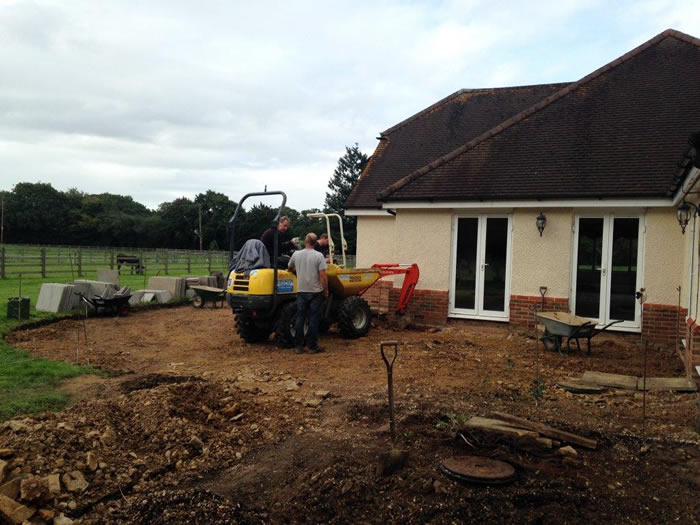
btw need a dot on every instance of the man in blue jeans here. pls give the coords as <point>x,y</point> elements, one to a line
<point>312,286</point>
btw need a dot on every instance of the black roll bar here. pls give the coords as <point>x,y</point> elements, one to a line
<point>231,226</point>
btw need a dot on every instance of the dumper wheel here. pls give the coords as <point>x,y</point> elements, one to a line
<point>285,324</point>
<point>249,332</point>
<point>354,317</point>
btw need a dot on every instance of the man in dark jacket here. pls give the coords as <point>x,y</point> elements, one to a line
<point>283,242</point>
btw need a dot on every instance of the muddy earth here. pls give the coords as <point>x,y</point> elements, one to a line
<point>191,425</point>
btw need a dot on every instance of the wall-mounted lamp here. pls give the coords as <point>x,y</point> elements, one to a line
<point>683,214</point>
<point>541,222</point>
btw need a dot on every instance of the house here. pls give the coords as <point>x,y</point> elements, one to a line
<point>576,187</point>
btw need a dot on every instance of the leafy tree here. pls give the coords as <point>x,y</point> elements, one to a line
<point>345,175</point>
<point>217,210</point>
<point>36,213</point>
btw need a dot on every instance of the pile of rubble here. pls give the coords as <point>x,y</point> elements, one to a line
<point>85,462</point>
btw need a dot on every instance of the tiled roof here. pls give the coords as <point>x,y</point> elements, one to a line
<point>618,132</point>
<point>438,130</point>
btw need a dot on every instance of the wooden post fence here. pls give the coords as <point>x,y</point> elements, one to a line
<point>111,259</point>
<point>189,264</point>
<point>2,262</point>
<point>43,262</point>
<point>80,262</point>
<point>166,261</point>
<point>209,261</point>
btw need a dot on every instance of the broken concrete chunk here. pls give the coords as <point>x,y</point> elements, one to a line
<point>11,488</point>
<point>323,394</point>
<point>92,461</point>
<point>13,512</point>
<point>34,490</point>
<point>74,481</point>
<point>108,437</point>
<point>54,481</point>
<point>567,451</point>
<point>313,403</point>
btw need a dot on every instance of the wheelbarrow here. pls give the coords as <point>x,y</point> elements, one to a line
<point>558,325</point>
<point>118,304</point>
<point>204,294</point>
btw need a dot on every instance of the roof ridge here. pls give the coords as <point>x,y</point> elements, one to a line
<point>383,194</point>
<point>454,95</point>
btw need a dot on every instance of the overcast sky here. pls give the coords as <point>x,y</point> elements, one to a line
<point>163,99</point>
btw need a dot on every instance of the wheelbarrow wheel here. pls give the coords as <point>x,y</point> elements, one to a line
<point>198,301</point>
<point>124,310</point>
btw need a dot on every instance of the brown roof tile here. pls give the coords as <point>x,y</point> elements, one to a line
<point>617,132</point>
<point>438,130</point>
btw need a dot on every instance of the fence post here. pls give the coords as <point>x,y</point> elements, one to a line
<point>209,261</point>
<point>2,262</point>
<point>165,261</point>
<point>111,259</point>
<point>189,264</point>
<point>80,261</point>
<point>142,262</point>
<point>43,262</point>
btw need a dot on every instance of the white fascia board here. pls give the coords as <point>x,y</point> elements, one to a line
<point>362,213</point>
<point>687,186</point>
<point>583,203</point>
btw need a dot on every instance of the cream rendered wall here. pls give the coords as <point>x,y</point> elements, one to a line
<point>667,257</point>
<point>376,240</point>
<point>541,261</point>
<point>424,237</point>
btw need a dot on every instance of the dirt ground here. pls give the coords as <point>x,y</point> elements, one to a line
<point>196,426</point>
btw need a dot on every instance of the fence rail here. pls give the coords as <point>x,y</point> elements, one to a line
<point>79,260</point>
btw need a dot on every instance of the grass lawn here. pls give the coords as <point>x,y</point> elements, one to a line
<point>27,383</point>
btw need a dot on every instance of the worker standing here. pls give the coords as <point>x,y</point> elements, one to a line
<point>309,266</point>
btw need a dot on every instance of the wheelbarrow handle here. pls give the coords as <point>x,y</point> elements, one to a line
<point>395,345</point>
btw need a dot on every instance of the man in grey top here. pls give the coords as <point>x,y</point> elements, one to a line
<point>312,286</point>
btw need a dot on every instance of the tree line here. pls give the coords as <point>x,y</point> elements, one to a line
<point>37,213</point>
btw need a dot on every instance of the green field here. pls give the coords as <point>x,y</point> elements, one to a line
<point>28,384</point>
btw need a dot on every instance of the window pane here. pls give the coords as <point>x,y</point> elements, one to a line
<point>465,270</point>
<point>590,245</point>
<point>495,269</point>
<point>623,276</point>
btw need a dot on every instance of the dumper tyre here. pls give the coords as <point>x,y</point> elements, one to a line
<point>285,324</point>
<point>249,331</point>
<point>354,317</point>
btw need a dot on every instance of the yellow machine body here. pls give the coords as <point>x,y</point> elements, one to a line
<point>344,282</point>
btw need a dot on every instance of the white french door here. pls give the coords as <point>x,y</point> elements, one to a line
<point>480,267</point>
<point>608,255</point>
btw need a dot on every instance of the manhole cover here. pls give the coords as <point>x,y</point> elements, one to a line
<point>475,469</point>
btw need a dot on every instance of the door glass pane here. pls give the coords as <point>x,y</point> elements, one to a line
<point>590,245</point>
<point>623,277</point>
<point>465,269</point>
<point>495,264</point>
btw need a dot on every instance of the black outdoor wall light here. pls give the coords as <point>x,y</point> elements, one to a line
<point>683,214</point>
<point>541,222</point>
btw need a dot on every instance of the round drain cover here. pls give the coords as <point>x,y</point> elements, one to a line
<point>475,469</point>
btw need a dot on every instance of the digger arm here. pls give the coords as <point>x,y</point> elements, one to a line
<point>410,273</point>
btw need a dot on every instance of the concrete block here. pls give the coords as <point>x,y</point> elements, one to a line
<point>175,285</point>
<point>55,297</point>
<point>110,276</point>
<point>136,297</point>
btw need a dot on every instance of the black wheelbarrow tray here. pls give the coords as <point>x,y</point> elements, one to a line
<point>204,294</point>
<point>558,325</point>
<point>118,304</point>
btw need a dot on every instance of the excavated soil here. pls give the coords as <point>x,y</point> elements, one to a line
<point>195,426</point>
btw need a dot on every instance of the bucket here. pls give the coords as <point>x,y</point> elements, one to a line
<point>18,308</point>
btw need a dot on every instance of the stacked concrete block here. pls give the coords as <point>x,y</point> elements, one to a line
<point>54,297</point>
<point>110,276</point>
<point>149,296</point>
<point>175,285</point>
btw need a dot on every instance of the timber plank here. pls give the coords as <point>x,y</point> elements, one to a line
<point>669,384</point>
<point>548,431</point>
<point>611,380</point>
